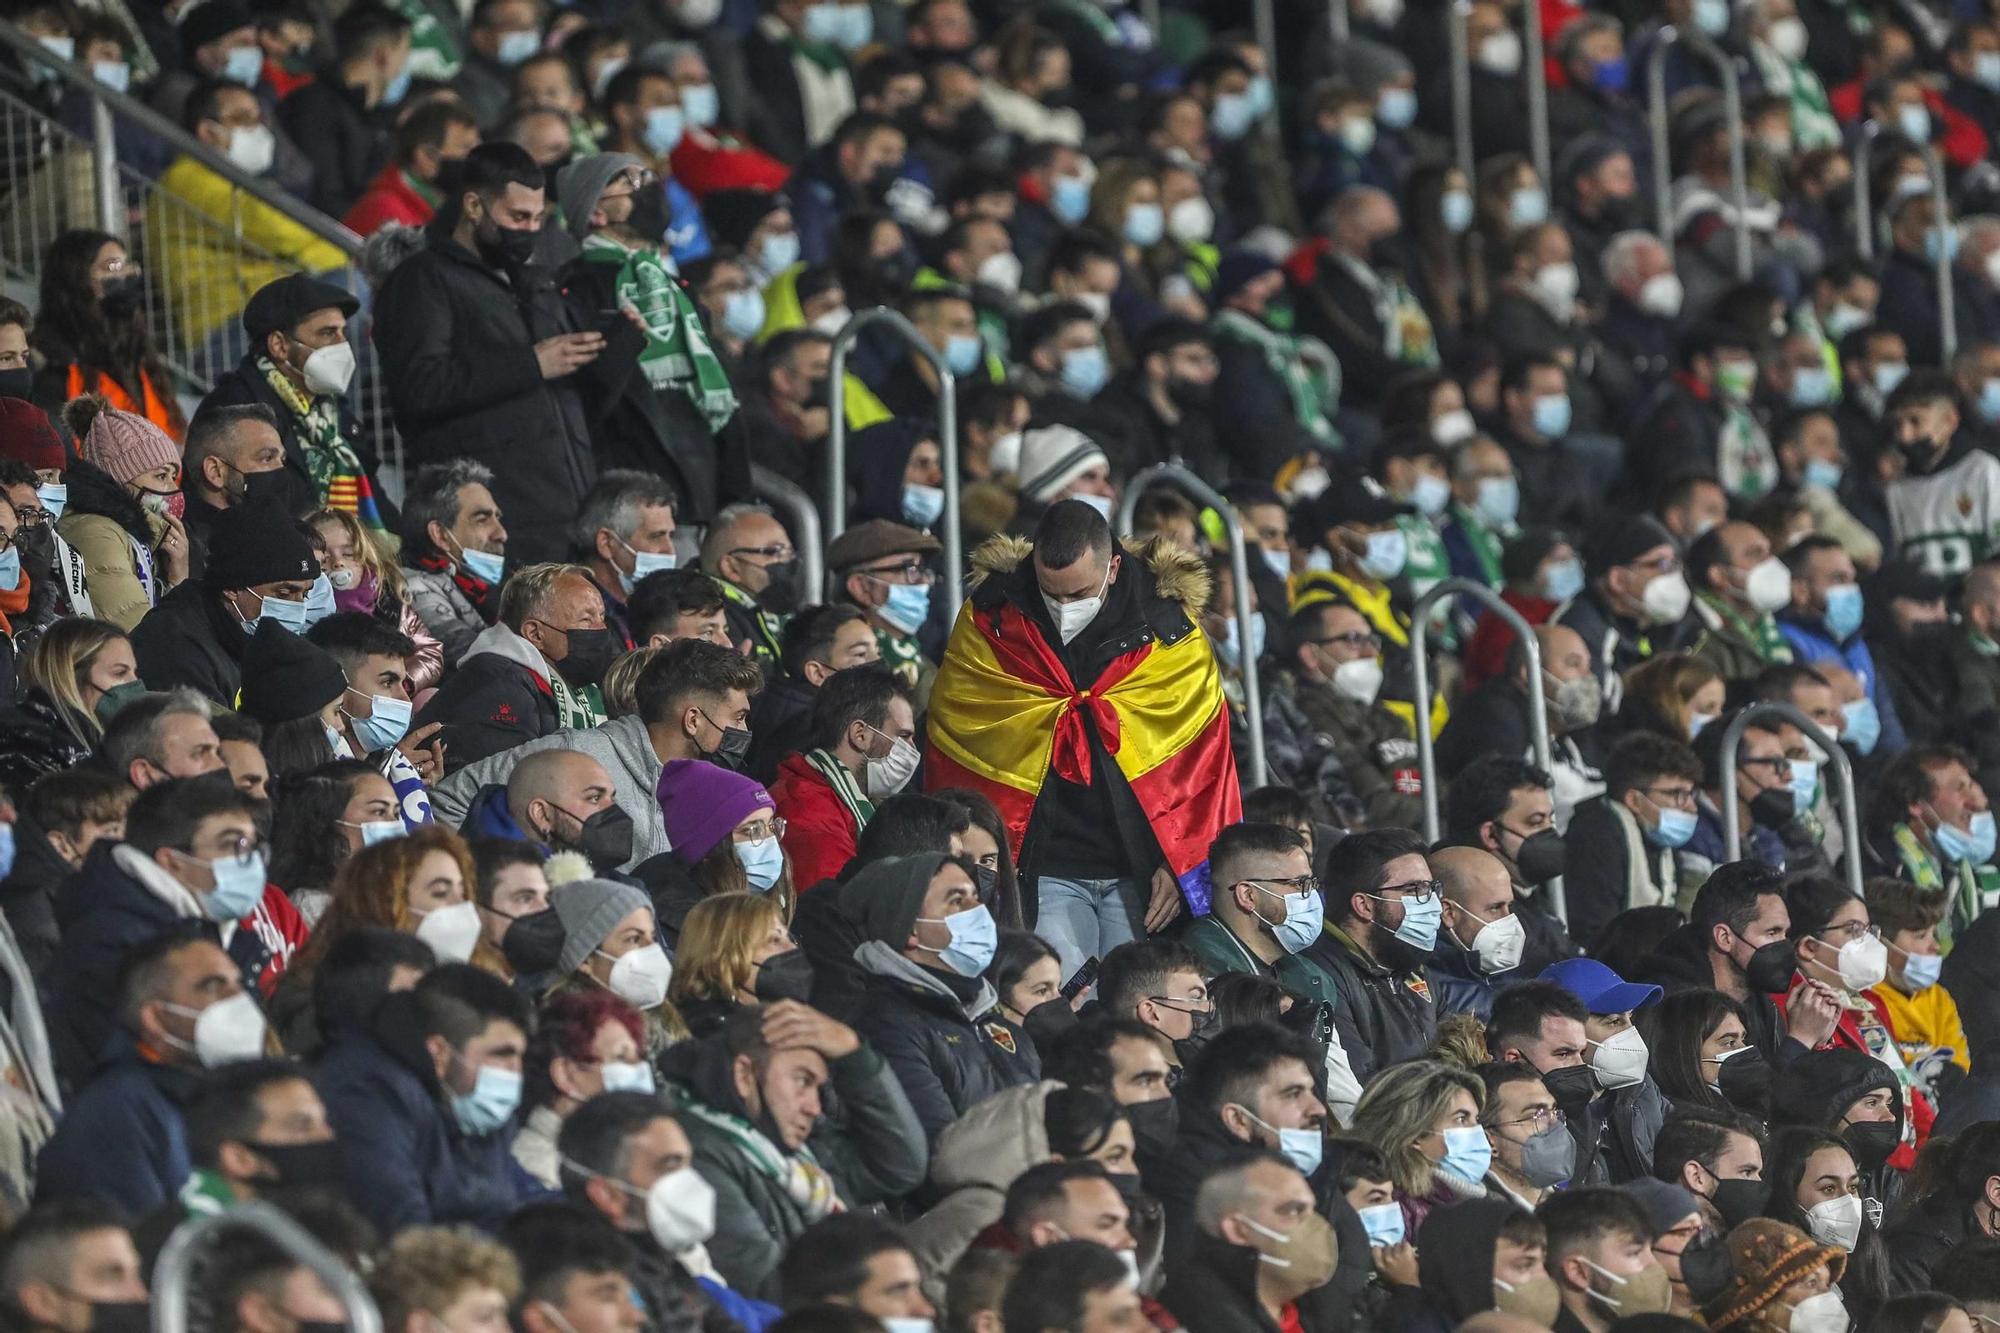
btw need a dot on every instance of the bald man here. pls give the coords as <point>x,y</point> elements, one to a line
<point>1495,719</point>
<point>1480,941</point>
<point>563,800</point>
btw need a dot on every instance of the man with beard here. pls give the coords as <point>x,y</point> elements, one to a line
<point>1163,402</point>
<point>226,447</point>
<point>480,355</point>
<point>1383,906</point>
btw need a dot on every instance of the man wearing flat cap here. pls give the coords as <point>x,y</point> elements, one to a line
<point>659,395</point>
<point>298,368</point>
<point>884,568</point>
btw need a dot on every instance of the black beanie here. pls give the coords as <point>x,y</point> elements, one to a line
<point>286,677</point>
<point>884,899</point>
<point>1816,1089</point>
<point>254,544</point>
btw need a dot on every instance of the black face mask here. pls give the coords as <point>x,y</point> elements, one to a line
<point>1156,1127</point>
<point>1385,252</point>
<point>1047,1021</point>
<point>1206,1025</point>
<point>649,215</point>
<point>1740,1200</point>
<point>784,976</point>
<point>1540,857</point>
<point>1769,971</point>
<point>1127,1182</point>
<point>895,271</point>
<point>605,838</point>
<point>821,392</point>
<point>732,750</point>
<point>122,296</point>
<point>1572,1087</point>
<point>988,880</point>
<point>303,1165</point>
<point>120,1316</point>
<point>781,595</point>
<point>1872,1142</point>
<point>1745,1080</point>
<point>503,247</point>
<point>16,383</point>
<point>1773,808</point>
<point>1189,396</point>
<point>590,655</point>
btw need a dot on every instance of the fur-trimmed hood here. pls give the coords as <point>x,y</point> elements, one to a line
<point>1178,575</point>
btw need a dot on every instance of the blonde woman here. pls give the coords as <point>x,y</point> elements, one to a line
<point>1423,1117</point>
<point>73,679</point>
<point>735,949</point>
<point>365,578</point>
<point>1674,694</point>
<point>621,681</point>
<point>445,1280</point>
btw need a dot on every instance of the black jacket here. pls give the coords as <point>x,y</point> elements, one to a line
<point>1681,427</point>
<point>1212,1286</point>
<point>191,639</point>
<point>1643,342</point>
<point>28,895</point>
<point>1148,438</point>
<point>1338,310</point>
<point>780,725</point>
<point>346,142</point>
<point>1384,1017</point>
<point>1492,720</point>
<point>38,742</point>
<point>776,117</point>
<point>1680,963</point>
<point>1616,644</point>
<point>457,344</point>
<point>1253,403</point>
<point>489,704</point>
<point>1922,1236</point>
<point>245,385</point>
<point>1555,484</point>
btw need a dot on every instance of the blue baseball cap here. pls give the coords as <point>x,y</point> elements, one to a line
<point>1601,990</point>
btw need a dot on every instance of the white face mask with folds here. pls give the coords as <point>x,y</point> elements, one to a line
<point>1073,616</point>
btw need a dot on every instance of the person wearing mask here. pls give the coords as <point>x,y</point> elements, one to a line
<point>453,551</point>
<point>1481,942</point>
<point>863,751</point>
<point>755,1113</point>
<point>561,799</point>
<point>644,122</point>
<point>623,533</point>
<point>726,838</point>
<point>1554,476</point>
<point>680,603</point>
<point>752,560</point>
<point>1945,507</point>
<point>1600,1253</point>
<point>422,1100</point>
<point>1920,1014</point>
<point>158,735</point>
<point>73,1265</point>
<point>1740,586</point>
<point>225,448</point>
<point>1495,719</point>
<point>336,119</point>
<point>1165,401</point>
<point>818,642</point>
<point>587,1042</point>
<point>1251,1211</point>
<point>1964,1206</point>
<point>1622,849</point>
<point>479,355</point>
<point>1507,807</point>
<point>182,1008</point>
<point>119,517</point>
<point>1700,418</point>
<point>1851,1096</point>
<point>408,188</point>
<point>1641,322</point>
<point>1823,623</point>
<point>299,366</point>
<point>1480,522</point>
<point>1058,611</point>
<point>1632,1108</point>
<point>926,940</point>
<point>501,36</point>
<point>1780,1278</point>
<point>1767,802</point>
<point>1271,382</point>
<point>1163,986</point>
<point>1358,301</point>
<point>1909,301</point>
<point>1533,1152</point>
<point>373,715</point>
<point>1540,574</point>
<point>1384,909</point>
<point>884,568</point>
<point>1635,603</point>
<point>1333,686</point>
<point>536,670</point>
<point>659,396</point>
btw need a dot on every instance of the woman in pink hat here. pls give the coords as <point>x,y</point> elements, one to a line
<point>122,517</point>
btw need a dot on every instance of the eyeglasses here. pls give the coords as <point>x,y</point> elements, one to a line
<point>1681,798</point>
<point>6,540</point>
<point>1416,891</point>
<point>771,828</point>
<point>1359,639</point>
<point>1777,763</point>
<point>1196,1004</point>
<point>777,551</point>
<point>239,849</point>
<point>1852,931</point>
<point>1541,1117</point>
<point>1666,564</point>
<point>913,573</point>
<point>1302,885</point>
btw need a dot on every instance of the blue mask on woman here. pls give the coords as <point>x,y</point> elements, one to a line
<point>763,861</point>
<point>1467,1151</point>
<point>10,568</point>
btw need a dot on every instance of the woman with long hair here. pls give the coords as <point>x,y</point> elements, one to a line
<point>73,679</point>
<point>92,334</point>
<point>1816,1187</point>
<point>1691,1035</point>
<point>323,816</point>
<point>735,948</point>
<point>419,884</point>
<point>986,846</point>
<point>122,518</point>
<point>1447,270</point>
<point>1423,1117</point>
<point>1674,694</point>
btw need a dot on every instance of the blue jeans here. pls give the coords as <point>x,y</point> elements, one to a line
<point>1083,918</point>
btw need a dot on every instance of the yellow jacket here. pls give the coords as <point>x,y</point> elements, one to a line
<point>1923,1022</point>
<point>191,225</point>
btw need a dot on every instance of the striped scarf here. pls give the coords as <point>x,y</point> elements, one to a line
<point>842,782</point>
<point>337,475</point>
<point>804,1181</point>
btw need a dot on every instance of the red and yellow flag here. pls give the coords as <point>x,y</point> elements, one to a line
<point>1004,712</point>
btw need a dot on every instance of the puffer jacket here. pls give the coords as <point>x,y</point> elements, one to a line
<point>949,1054</point>
<point>869,1144</point>
<point>498,699</point>
<point>975,1160</point>
<point>102,523</point>
<point>435,597</point>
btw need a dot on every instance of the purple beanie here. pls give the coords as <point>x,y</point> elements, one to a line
<point>703,803</point>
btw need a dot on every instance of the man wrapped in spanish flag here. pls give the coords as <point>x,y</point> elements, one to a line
<point>1079,694</point>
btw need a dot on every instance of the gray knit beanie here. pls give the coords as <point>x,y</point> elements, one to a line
<point>590,909</point>
<point>579,184</point>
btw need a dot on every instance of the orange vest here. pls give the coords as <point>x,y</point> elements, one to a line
<point>156,409</point>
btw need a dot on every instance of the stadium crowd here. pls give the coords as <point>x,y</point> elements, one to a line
<point>465,829</point>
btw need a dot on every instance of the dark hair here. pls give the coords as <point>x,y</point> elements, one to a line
<point>427,126</point>
<point>1907,780</point>
<point>490,168</point>
<point>982,814</point>
<point>353,975</point>
<point>351,637</point>
<point>1051,1287</point>
<point>212,429</point>
<point>307,846</point>
<point>1912,1312</point>
<point>1042,1187</point>
<point>223,1107</point>
<point>364,27</point>
<point>1975,1159</point>
<point>1082,1056</point>
<point>1247,997</point>
<point>910,824</point>
<point>1139,970</point>
<point>1691,1135</point>
<point>71,324</point>
<point>555,1241</point>
<point>167,813</point>
<point>858,694</point>
<point>830,1258</point>
<point>826,1317</point>
<point>1238,843</point>
<point>490,856</point>
<point>1641,758</point>
<point>1811,902</point>
<point>40,1246</point>
<point>1358,862</point>
<point>61,800</point>
<point>1674,1030</point>
<point>687,668</point>
<point>1497,1074</point>
<point>1729,896</point>
<point>1971,1271</point>
<point>1519,1010</point>
<point>1574,1218</point>
<point>1277,804</point>
<point>1627,942</point>
<point>1483,790</point>
<point>1924,384</point>
<point>1078,1120</point>
<point>1017,951</point>
<point>1896,905</point>
<point>143,968</point>
<point>457,1000</point>
<point>434,495</point>
<point>1359,1160</point>
<point>595,1138</point>
<point>663,597</point>
<point>809,636</point>
<point>1069,530</point>
<point>1230,1071</point>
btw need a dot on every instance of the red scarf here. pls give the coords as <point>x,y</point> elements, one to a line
<point>477,590</point>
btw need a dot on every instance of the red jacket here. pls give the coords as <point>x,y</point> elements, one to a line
<point>1485,654</point>
<point>278,924</point>
<point>1962,144</point>
<point>821,833</point>
<point>388,198</point>
<point>1918,1113</point>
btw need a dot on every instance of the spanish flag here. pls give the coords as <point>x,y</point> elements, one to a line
<point>1004,711</point>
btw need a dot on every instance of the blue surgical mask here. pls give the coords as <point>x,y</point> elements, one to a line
<point>1232,116</point>
<point>1145,224</point>
<point>379,831</point>
<point>1085,369</point>
<point>1528,207</point>
<point>1989,401</point>
<point>1844,609</point>
<point>1455,211</point>
<point>113,74</point>
<point>54,496</point>
<point>1467,1152</point>
<point>1674,829</point>
<point>1498,502</point>
<point>663,130</point>
<point>1305,914</point>
<point>1804,783</point>
<point>516,47</point>
<point>1914,122</point>
<point>1420,921</point>
<point>1812,386</point>
<point>287,615</point>
<point>239,886</point>
<point>1430,494</point>
<point>961,353</point>
<point>1302,1147</point>
<point>1922,970</point>
<point>1230,647</point>
<point>398,88</point>
<point>908,607</point>
<point>1069,198</point>
<point>644,563</point>
<point>778,253</point>
<point>857,27</point>
<point>763,861</point>
<point>1888,375</point>
<point>483,565</point>
<point>319,604</point>
<point>701,104</point>
<point>1823,473</point>
<point>495,1095</point>
<point>1712,16</point>
<point>1973,846</point>
<point>6,850</point>
<point>1262,96</point>
<point>1383,1223</point>
<point>1388,552</point>
<point>1941,242</point>
<point>1551,416</point>
<point>743,313</point>
<point>974,936</point>
<point>1861,725</point>
<point>10,568</point>
<point>1396,107</point>
<point>1562,580</point>
<point>387,724</point>
<point>922,504</point>
<point>244,65</point>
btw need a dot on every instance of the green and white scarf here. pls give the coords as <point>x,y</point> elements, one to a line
<point>1312,397</point>
<point>1763,636</point>
<point>799,1174</point>
<point>677,354</point>
<point>339,480</point>
<point>578,710</point>
<point>842,781</point>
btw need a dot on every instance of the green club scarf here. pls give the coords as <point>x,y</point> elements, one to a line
<point>677,354</point>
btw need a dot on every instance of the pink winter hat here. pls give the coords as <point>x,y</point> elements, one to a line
<point>702,804</point>
<point>124,444</point>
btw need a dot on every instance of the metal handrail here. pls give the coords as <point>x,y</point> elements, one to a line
<point>1866,139</point>
<point>1538,708</point>
<point>1336,20</point>
<point>170,1273</point>
<point>792,498</point>
<point>106,100</point>
<point>1456,13</point>
<point>836,444</point>
<point>1850,818</point>
<point>1732,111</point>
<point>1264,25</point>
<point>1941,261</point>
<point>1170,474</point>
<point>1538,93</point>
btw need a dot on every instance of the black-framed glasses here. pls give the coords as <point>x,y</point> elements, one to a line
<point>1681,798</point>
<point>1302,885</point>
<point>914,574</point>
<point>1777,763</point>
<point>1416,890</point>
